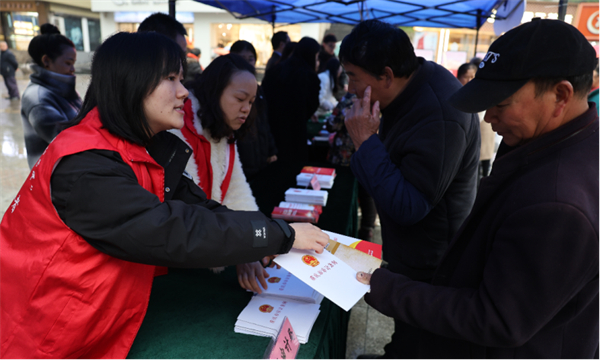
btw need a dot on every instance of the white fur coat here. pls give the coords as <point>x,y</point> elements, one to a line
<point>239,195</point>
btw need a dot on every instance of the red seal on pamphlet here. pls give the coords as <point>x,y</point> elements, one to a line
<point>310,260</point>
<point>265,308</point>
<point>274,280</point>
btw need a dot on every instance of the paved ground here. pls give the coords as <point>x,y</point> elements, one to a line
<point>368,330</point>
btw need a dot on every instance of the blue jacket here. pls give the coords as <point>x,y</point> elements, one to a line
<point>48,102</point>
<point>421,170</point>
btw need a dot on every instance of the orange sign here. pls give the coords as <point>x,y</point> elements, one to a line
<point>310,260</point>
<point>274,280</point>
<point>265,308</point>
<point>586,20</point>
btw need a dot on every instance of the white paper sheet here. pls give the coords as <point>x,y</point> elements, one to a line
<point>325,273</point>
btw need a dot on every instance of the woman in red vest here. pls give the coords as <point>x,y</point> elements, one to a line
<point>219,112</point>
<point>107,204</point>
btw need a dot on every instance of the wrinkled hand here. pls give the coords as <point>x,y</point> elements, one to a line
<point>363,277</point>
<point>309,237</point>
<point>361,121</point>
<point>248,273</point>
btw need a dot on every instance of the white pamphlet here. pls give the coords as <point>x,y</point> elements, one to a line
<point>325,273</point>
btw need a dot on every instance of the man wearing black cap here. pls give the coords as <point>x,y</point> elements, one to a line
<point>520,279</point>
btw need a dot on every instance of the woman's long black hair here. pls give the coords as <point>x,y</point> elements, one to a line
<point>209,88</point>
<point>127,68</point>
<point>333,65</point>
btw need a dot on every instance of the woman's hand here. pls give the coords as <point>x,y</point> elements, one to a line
<point>363,277</point>
<point>248,273</point>
<point>309,237</point>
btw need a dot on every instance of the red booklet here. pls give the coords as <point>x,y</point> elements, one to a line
<point>318,170</point>
<point>295,215</point>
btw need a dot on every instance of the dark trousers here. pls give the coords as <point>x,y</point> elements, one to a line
<point>11,85</point>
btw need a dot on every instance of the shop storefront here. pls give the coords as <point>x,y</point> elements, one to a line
<point>453,47</point>
<point>210,29</point>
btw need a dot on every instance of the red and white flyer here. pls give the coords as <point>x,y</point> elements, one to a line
<point>325,273</point>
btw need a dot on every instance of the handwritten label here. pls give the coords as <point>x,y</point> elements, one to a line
<point>286,344</point>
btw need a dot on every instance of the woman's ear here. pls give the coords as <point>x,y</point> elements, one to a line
<point>46,61</point>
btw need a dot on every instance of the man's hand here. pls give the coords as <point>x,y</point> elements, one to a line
<point>361,121</point>
<point>309,237</point>
<point>363,277</point>
<point>248,273</point>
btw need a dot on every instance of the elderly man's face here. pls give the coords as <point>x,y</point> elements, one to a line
<point>522,117</point>
<point>359,79</point>
<point>3,45</point>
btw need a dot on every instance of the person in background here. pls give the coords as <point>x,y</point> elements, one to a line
<point>166,25</point>
<point>288,50</point>
<point>292,92</point>
<point>108,204</point>
<point>329,85</point>
<point>520,279</point>
<point>8,66</point>
<point>193,62</point>
<point>327,51</point>
<point>50,99</point>
<point>257,149</point>
<point>278,41</point>
<point>466,72</point>
<point>418,162</point>
<point>593,96</point>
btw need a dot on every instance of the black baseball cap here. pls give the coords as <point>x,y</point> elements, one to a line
<point>540,48</point>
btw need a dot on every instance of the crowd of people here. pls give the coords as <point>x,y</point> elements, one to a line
<point>151,170</point>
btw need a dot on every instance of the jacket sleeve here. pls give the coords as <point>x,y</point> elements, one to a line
<point>98,196</point>
<point>46,119</point>
<point>239,195</point>
<point>532,273</point>
<point>384,181</point>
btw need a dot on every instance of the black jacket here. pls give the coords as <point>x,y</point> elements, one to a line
<point>292,92</point>
<point>520,280</point>
<point>258,144</point>
<point>98,196</point>
<point>421,171</point>
<point>8,63</point>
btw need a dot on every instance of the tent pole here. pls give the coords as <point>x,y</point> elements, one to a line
<point>477,35</point>
<point>562,9</point>
<point>172,8</point>
<point>273,18</point>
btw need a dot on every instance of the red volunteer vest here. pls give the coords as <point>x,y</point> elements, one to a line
<point>201,154</point>
<point>60,297</point>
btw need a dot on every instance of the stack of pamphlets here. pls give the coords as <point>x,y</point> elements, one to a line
<point>282,284</point>
<point>295,215</point>
<point>325,176</point>
<point>264,315</point>
<point>317,197</point>
<point>290,205</point>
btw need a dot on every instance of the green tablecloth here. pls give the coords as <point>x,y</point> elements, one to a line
<point>192,312</point>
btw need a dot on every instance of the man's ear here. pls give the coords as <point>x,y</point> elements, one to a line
<point>563,92</point>
<point>388,76</point>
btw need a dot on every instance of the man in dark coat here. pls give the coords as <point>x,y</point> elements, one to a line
<point>8,66</point>
<point>421,167</point>
<point>520,280</point>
